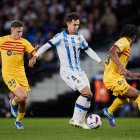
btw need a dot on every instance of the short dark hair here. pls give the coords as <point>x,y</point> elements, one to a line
<point>72,16</point>
<point>129,30</point>
<point>17,23</point>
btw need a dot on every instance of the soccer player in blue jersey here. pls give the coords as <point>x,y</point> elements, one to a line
<point>68,44</point>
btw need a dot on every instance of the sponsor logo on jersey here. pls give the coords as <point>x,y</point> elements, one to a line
<point>9,53</point>
<point>17,53</point>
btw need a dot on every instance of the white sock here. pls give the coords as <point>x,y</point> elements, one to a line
<point>81,108</point>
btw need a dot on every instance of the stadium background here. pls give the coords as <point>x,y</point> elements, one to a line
<point>101,22</point>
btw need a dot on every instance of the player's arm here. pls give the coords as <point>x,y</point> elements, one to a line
<point>55,41</point>
<point>94,56</point>
<point>32,50</point>
<point>41,50</point>
<point>114,53</point>
<point>89,51</point>
<point>133,75</point>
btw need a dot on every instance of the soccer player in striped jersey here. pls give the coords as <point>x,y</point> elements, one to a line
<point>12,48</point>
<point>115,72</point>
<point>68,44</point>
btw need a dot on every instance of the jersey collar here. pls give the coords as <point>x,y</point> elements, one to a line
<point>67,32</point>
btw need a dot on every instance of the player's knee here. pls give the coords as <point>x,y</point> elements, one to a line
<point>137,93</point>
<point>87,91</point>
<point>89,97</point>
<point>23,98</point>
<point>23,104</point>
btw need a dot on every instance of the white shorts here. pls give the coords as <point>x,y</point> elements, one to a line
<point>77,80</point>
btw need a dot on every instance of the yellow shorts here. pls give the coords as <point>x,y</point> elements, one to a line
<point>119,85</point>
<point>14,82</point>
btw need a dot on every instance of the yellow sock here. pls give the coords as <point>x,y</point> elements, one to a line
<point>138,101</point>
<point>14,102</point>
<point>117,104</point>
<point>20,116</point>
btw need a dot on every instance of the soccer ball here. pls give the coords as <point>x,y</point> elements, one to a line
<point>94,121</point>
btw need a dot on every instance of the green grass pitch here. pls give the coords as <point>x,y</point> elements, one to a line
<point>59,129</point>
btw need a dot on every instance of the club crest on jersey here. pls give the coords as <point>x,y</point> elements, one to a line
<point>9,53</point>
<point>120,44</point>
<point>78,38</point>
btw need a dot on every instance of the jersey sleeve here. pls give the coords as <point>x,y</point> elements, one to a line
<point>0,43</point>
<point>84,44</point>
<point>121,44</point>
<point>29,48</point>
<point>55,41</point>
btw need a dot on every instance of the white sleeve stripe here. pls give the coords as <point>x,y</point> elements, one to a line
<point>43,49</point>
<point>93,55</point>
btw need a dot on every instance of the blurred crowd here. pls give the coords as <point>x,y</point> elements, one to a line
<point>44,18</point>
<point>100,22</point>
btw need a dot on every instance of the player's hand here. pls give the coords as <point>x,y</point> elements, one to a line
<point>102,63</point>
<point>123,71</point>
<point>37,47</point>
<point>129,74</point>
<point>133,75</point>
<point>32,61</point>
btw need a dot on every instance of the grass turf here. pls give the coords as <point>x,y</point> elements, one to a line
<point>59,129</point>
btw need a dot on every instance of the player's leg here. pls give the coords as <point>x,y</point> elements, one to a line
<point>84,100</point>
<point>20,98</point>
<point>134,95</point>
<point>76,82</point>
<point>14,107</point>
<point>22,105</point>
<point>116,105</point>
<point>21,113</point>
<point>131,93</point>
<point>19,93</point>
<point>18,104</point>
<point>82,106</point>
<point>138,101</point>
<point>119,88</point>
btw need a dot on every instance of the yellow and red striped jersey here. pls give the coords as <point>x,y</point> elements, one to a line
<point>111,69</point>
<point>12,54</point>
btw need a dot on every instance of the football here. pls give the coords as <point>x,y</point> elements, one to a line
<point>94,121</point>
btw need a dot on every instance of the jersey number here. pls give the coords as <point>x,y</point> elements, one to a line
<point>107,60</point>
<point>12,82</point>
<point>120,82</point>
<point>75,79</point>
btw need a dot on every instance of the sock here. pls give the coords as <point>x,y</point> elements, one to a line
<point>81,108</point>
<point>20,116</point>
<point>138,101</point>
<point>14,102</point>
<point>117,104</point>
